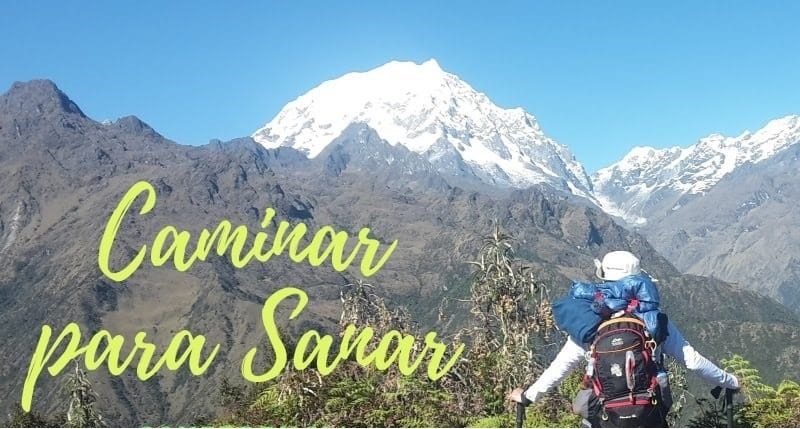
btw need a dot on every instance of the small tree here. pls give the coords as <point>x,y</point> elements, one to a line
<point>82,398</point>
<point>512,315</point>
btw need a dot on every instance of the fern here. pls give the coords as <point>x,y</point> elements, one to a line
<point>752,386</point>
<point>780,409</point>
<point>268,398</point>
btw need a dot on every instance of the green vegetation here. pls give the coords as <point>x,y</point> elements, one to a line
<point>511,321</point>
<point>756,405</point>
<point>80,407</point>
<point>509,338</point>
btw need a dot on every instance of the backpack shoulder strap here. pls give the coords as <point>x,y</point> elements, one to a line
<point>625,318</point>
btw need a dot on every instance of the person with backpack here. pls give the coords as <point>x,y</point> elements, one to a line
<point>617,331</point>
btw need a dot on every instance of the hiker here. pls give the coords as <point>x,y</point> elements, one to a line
<point>623,267</point>
<point>624,284</point>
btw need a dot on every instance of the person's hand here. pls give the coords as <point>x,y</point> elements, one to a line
<point>738,384</point>
<point>516,394</point>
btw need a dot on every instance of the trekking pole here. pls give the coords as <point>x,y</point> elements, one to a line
<point>729,401</point>
<point>520,414</point>
<point>727,404</point>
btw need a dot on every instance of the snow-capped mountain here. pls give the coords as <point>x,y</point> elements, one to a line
<point>649,182</point>
<point>435,114</point>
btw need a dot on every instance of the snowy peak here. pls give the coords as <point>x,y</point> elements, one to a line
<point>401,100</point>
<point>774,137</point>
<point>626,187</point>
<point>731,152</point>
<point>433,113</point>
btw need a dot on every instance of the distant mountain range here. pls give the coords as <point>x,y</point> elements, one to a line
<point>723,207</point>
<point>649,183</point>
<point>63,173</point>
<point>450,128</point>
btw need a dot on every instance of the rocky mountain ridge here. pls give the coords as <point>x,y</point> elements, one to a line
<point>64,173</point>
<point>724,207</point>
<point>446,126</point>
<point>648,183</point>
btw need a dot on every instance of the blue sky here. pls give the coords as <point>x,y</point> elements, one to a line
<point>601,77</point>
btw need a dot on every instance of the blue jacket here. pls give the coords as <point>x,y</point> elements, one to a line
<point>617,294</point>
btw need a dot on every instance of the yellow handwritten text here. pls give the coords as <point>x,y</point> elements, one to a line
<point>306,353</point>
<point>95,354</point>
<point>171,244</point>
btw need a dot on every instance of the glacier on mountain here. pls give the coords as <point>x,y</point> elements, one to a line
<point>628,187</point>
<point>434,113</point>
<point>459,131</point>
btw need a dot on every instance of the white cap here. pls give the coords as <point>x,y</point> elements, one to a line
<point>616,265</point>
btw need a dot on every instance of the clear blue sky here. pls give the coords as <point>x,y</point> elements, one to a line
<point>601,77</point>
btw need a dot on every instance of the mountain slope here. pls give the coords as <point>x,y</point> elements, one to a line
<point>725,207</point>
<point>746,229</point>
<point>648,184</point>
<point>433,113</point>
<point>64,174</point>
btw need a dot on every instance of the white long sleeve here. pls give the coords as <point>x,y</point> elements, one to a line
<point>572,354</point>
<point>567,359</point>
<point>677,346</point>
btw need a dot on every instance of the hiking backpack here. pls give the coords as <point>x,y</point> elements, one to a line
<point>622,374</point>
